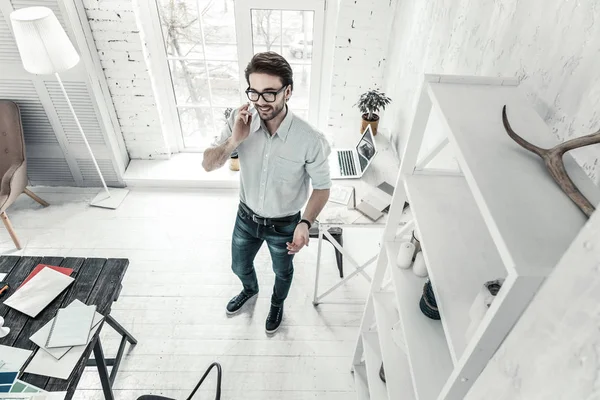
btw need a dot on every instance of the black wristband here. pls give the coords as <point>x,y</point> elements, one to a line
<point>307,222</point>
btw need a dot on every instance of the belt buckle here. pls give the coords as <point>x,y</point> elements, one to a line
<point>257,220</point>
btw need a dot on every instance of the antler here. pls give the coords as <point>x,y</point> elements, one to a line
<point>554,162</point>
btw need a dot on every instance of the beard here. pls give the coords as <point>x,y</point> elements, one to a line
<point>272,112</point>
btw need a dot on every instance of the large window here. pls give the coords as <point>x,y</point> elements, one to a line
<point>294,29</point>
<point>288,33</point>
<point>209,42</point>
<point>200,41</point>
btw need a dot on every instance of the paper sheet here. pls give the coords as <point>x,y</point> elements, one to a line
<point>338,215</point>
<point>39,292</point>
<point>46,365</point>
<point>41,336</point>
<point>13,357</point>
<point>340,194</point>
<point>2,276</point>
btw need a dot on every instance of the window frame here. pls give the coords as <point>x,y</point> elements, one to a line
<point>161,78</point>
<point>243,20</point>
<point>159,72</point>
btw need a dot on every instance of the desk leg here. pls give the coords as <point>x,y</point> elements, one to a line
<point>103,371</point>
<point>120,330</point>
<point>115,362</point>
<point>337,246</point>
<point>315,302</point>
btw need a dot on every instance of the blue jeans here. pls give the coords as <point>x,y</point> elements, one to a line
<point>248,237</point>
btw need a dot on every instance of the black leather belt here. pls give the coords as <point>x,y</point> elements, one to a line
<point>282,221</point>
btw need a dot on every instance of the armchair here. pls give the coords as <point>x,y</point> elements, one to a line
<point>13,163</point>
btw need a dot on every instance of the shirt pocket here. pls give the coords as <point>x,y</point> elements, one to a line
<point>291,171</point>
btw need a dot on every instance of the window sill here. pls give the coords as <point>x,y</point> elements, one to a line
<point>182,170</point>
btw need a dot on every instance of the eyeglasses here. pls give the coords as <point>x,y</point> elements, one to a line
<point>269,96</point>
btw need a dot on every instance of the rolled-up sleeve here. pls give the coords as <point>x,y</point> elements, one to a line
<point>317,164</point>
<point>226,131</point>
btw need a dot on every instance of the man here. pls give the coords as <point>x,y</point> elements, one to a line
<point>279,155</point>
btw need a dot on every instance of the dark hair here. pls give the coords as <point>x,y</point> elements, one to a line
<point>271,63</point>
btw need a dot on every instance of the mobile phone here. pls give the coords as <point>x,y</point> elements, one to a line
<point>250,110</point>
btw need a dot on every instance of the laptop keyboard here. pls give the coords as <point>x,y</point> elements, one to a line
<point>347,167</point>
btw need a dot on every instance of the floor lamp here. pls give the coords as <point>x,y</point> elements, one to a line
<point>45,49</point>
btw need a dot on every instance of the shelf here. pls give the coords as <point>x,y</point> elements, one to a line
<point>459,251</point>
<point>360,382</point>
<point>428,352</point>
<point>373,361</point>
<point>529,217</point>
<point>397,371</point>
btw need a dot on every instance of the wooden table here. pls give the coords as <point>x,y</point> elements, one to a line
<point>98,282</point>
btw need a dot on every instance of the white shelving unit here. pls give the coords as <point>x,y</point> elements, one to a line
<point>484,209</point>
<point>392,355</point>
<point>360,382</point>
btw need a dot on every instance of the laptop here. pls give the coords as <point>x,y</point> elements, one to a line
<point>352,163</point>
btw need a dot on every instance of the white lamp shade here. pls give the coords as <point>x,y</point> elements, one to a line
<point>43,44</point>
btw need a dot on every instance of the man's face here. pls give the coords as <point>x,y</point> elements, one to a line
<point>269,83</point>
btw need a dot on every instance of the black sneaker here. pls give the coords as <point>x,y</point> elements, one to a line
<point>235,304</point>
<point>274,318</point>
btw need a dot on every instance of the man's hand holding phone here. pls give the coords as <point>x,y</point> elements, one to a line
<point>241,125</point>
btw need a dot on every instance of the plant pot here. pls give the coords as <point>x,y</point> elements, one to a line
<point>234,164</point>
<point>374,124</point>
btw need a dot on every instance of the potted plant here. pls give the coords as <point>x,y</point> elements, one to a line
<point>234,162</point>
<point>369,104</point>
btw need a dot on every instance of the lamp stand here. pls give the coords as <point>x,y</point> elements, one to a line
<point>109,198</point>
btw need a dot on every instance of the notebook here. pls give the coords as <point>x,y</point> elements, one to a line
<point>71,327</point>
<point>41,336</point>
<point>368,210</point>
<point>36,270</point>
<point>39,292</point>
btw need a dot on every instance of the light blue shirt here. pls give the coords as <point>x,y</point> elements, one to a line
<point>276,171</point>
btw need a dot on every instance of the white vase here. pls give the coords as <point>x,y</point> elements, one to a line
<point>4,331</point>
<point>405,255</point>
<point>419,267</point>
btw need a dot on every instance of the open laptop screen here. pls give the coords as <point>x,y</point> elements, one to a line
<point>365,149</point>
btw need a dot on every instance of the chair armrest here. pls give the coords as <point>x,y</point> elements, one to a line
<point>7,178</point>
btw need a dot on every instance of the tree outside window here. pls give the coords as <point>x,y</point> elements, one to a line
<point>201,47</point>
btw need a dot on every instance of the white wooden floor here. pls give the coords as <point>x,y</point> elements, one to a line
<point>175,291</point>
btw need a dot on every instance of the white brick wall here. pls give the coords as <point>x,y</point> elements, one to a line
<point>552,45</point>
<point>359,58</point>
<point>120,49</point>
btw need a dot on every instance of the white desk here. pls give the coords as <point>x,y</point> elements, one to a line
<point>383,168</point>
